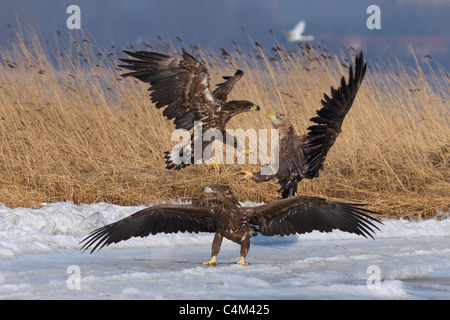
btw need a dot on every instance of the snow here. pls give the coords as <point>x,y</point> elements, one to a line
<point>40,258</point>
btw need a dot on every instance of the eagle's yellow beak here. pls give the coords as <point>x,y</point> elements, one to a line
<point>255,108</point>
<point>271,116</point>
<point>207,190</point>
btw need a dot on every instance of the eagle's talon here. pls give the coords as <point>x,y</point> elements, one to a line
<point>242,263</point>
<point>211,262</point>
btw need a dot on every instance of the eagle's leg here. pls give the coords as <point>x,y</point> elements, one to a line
<point>208,158</point>
<point>217,242</point>
<point>245,246</point>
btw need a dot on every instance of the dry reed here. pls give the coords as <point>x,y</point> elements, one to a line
<point>76,131</point>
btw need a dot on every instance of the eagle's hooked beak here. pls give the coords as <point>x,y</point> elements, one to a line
<point>255,108</point>
<point>271,116</point>
<point>207,190</point>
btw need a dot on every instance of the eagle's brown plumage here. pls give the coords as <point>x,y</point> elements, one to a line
<point>182,86</point>
<point>299,214</point>
<point>302,157</point>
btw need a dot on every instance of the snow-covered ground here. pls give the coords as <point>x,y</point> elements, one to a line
<point>40,259</point>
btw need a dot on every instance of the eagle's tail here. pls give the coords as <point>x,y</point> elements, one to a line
<point>288,188</point>
<point>179,157</point>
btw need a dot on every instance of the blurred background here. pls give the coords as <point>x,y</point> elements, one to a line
<point>424,25</point>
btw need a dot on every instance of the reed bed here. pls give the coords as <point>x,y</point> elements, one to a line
<point>72,129</point>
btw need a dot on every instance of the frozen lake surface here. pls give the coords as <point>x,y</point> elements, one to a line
<point>40,259</point>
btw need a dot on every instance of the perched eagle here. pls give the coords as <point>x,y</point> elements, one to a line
<point>301,157</point>
<point>182,84</point>
<point>299,214</point>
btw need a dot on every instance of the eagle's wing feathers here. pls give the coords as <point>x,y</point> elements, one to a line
<point>180,84</point>
<point>224,88</point>
<point>166,218</point>
<point>322,135</point>
<point>301,214</point>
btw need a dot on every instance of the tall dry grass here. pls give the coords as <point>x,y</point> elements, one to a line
<point>74,130</point>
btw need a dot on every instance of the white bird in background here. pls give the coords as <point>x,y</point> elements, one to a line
<point>296,33</point>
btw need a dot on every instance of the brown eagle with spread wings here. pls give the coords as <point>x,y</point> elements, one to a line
<point>182,85</point>
<point>301,157</point>
<point>298,214</point>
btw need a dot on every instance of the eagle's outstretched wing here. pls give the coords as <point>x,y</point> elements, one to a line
<point>166,218</point>
<point>322,135</point>
<point>302,214</point>
<point>180,84</point>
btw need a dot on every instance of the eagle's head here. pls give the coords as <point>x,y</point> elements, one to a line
<point>215,189</point>
<point>222,193</point>
<point>279,121</point>
<point>238,106</point>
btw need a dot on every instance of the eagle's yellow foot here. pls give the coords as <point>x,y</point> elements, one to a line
<point>242,263</point>
<point>211,262</point>
<point>215,166</point>
<point>245,173</point>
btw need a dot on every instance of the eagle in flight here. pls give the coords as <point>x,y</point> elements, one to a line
<point>301,157</point>
<point>182,86</point>
<point>298,214</point>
